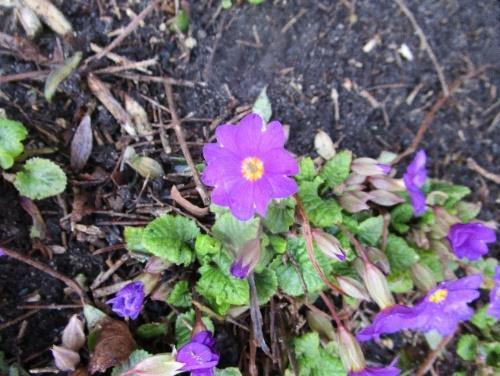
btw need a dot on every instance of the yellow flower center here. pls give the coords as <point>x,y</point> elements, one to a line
<point>438,296</point>
<point>252,168</point>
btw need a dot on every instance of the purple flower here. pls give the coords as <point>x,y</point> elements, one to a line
<point>248,166</point>
<point>469,240</point>
<point>238,270</point>
<point>199,355</point>
<point>2,253</point>
<point>494,308</point>
<point>385,168</point>
<point>414,178</point>
<point>442,309</point>
<point>128,301</point>
<point>390,370</point>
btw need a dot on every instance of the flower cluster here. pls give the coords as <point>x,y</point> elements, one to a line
<point>128,301</point>
<point>248,166</point>
<point>199,356</point>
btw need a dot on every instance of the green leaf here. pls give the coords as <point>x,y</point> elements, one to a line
<point>256,2</point>
<point>231,371</point>
<point>454,192</point>
<point>289,281</point>
<point>307,170</point>
<point>401,215</point>
<point>401,256</point>
<point>221,289</point>
<point>182,21</point>
<point>180,296</point>
<point>92,316</point>
<point>40,178</point>
<point>486,265</point>
<point>314,360</point>
<point>492,352</point>
<point>336,170</point>
<point>133,239</point>
<point>467,211</point>
<point>262,106</point>
<point>266,283</point>
<point>206,247</point>
<point>482,320</point>
<point>152,330</point>
<point>12,133</point>
<point>321,213</point>
<point>170,237</point>
<point>433,339</point>
<point>234,232</point>
<point>135,358</point>
<point>467,347</point>
<point>184,326</point>
<point>280,215</point>
<point>432,261</point>
<point>400,282</point>
<point>278,244</point>
<point>370,230</point>
<point>226,4</point>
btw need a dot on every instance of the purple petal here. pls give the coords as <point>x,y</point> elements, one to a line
<point>238,270</point>
<point>471,282</point>
<point>282,186</point>
<point>417,199</point>
<point>241,200</point>
<point>280,161</point>
<point>249,134</point>
<point>262,195</point>
<point>272,138</point>
<point>226,137</point>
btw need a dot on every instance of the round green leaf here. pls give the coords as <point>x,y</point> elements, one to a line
<point>40,178</point>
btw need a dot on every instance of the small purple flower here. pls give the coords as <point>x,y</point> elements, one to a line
<point>469,240</point>
<point>128,301</point>
<point>238,270</point>
<point>2,253</point>
<point>494,308</point>
<point>385,168</point>
<point>248,166</point>
<point>414,179</point>
<point>442,309</point>
<point>199,355</point>
<point>390,370</point>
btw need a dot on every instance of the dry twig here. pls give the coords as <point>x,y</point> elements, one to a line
<point>431,357</point>
<point>472,164</point>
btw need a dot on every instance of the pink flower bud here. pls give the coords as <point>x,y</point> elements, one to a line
<point>328,244</point>
<point>355,179</point>
<point>247,259</point>
<point>379,259</point>
<point>377,286</point>
<point>385,198</point>
<point>353,288</point>
<point>369,167</point>
<point>320,324</point>
<point>160,364</point>
<point>73,336</point>
<point>65,359</point>
<point>443,222</point>
<point>350,352</point>
<point>355,201</point>
<point>422,277</point>
<point>387,184</point>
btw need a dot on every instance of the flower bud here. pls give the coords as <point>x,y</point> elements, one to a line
<point>328,244</point>
<point>422,277</point>
<point>65,359</point>
<point>160,364</point>
<point>354,179</point>
<point>320,324</point>
<point>156,265</point>
<point>353,288</point>
<point>247,259</point>
<point>150,280</point>
<point>369,167</point>
<point>377,286</point>
<point>73,336</point>
<point>387,184</point>
<point>443,222</point>
<point>419,237</point>
<point>385,198</point>
<point>350,352</point>
<point>354,201</point>
<point>379,259</point>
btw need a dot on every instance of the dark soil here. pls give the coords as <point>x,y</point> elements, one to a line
<point>301,63</point>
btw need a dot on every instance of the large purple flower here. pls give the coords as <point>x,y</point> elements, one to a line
<point>128,301</point>
<point>494,308</point>
<point>248,166</point>
<point>469,240</point>
<point>442,309</point>
<point>199,355</point>
<point>414,178</point>
<point>390,370</point>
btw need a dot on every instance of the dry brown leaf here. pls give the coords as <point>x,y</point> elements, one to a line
<point>113,346</point>
<point>81,146</point>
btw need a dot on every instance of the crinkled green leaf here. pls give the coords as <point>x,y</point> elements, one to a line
<point>400,282</point>
<point>482,319</point>
<point>221,289</point>
<point>467,211</point>
<point>180,296</point>
<point>401,256</point>
<point>321,212</point>
<point>336,170</point>
<point>133,238</point>
<point>266,283</point>
<point>135,358</point>
<point>262,106</point>
<point>231,371</point>
<point>280,215</point>
<point>491,350</point>
<point>307,170</point>
<point>152,330</point>
<point>234,232</point>
<point>184,326</point>
<point>206,247</point>
<point>432,261</point>
<point>370,230</point>
<point>467,347</point>
<point>454,192</point>
<point>401,215</point>
<point>12,133</point>
<point>170,237</point>
<point>486,265</point>
<point>182,20</point>
<point>289,280</point>
<point>40,178</point>
<point>314,360</point>
<point>278,244</point>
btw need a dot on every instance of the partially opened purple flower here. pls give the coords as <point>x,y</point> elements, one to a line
<point>442,309</point>
<point>414,179</point>
<point>390,370</point>
<point>128,301</point>
<point>199,355</point>
<point>494,308</point>
<point>249,166</point>
<point>469,240</point>
<point>247,259</point>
